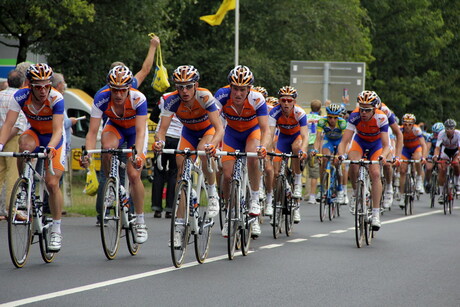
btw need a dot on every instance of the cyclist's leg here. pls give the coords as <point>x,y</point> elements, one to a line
<point>416,155</point>
<point>252,142</point>
<point>374,173</point>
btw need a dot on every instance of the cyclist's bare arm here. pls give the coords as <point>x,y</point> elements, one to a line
<point>272,137</point>
<point>141,123</point>
<point>91,136</point>
<point>304,136</point>
<point>399,139</point>
<point>58,123</point>
<point>385,144</point>
<point>346,138</point>
<point>10,120</point>
<point>264,130</point>
<point>424,147</point>
<point>164,125</point>
<point>318,140</point>
<point>217,124</point>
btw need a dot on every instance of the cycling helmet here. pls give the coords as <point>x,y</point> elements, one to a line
<point>437,127</point>
<point>262,90</point>
<point>409,118</point>
<point>38,72</point>
<point>287,91</point>
<point>334,109</point>
<point>370,98</point>
<point>241,76</point>
<point>120,77</point>
<point>272,101</point>
<point>185,73</point>
<point>450,124</point>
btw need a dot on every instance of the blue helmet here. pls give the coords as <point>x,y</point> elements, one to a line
<point>437,127</point>
<point>334,109</point>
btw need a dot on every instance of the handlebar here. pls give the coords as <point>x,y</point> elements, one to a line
<point>185,152</point>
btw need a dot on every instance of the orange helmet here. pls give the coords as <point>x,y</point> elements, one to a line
<point>40,71</point>
<point>241,76</point>
<point>120,77</point>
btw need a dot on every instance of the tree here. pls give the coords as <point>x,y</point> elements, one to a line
<point>34,22</point>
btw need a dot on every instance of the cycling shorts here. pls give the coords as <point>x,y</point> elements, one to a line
<point>191,138</point>
<point>127,135</point>
<point>284,144</point>
<point>408,152</point>
<point>447,153</point>
<point>236,140</point>
<point>43,140</point>
<point>359,145</point>
<point>330,144</point>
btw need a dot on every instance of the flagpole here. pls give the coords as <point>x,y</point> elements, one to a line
<point>237,31</point>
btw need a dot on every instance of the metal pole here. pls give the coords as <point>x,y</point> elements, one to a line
<point>326,82</point>
<point>237,31</point>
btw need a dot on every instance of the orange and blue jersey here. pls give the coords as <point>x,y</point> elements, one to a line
<point>289,127</point>
<point>412,138</point>
<point>391,116</point>
<point>246,120</point>
<point>40,120</point>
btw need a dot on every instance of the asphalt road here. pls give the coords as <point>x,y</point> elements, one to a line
<point>413,261</point>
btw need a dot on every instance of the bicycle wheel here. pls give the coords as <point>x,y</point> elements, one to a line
<point>278,205</point>
<point>246,230</point>
<point>222,204</point>
<point>332,194</point>
<point>433,188</point>
<point>368,232</point>
<point>359,214</point>
<point>323,198</point>
<point>19,224</point>
<point>110,220</point>
<point>179,225</point>
<point>232,221</point>
<point>44,238</point>
<point>450,198</point>
<point>445,193</point>
<point>133,247</point>
<point>203,236</point>
<point>289,215</point>
<point>407,194</point>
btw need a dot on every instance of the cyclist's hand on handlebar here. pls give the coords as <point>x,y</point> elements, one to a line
<point>1,147</point>
<point>262,151</point>
<point>396,161</point>
<point>422,160</point>
<point>302,155</point>
<point>435,158</point>
<point>210,149</point>
<point>158,146</point>
<point>137,162</point>
<point>51,152</point>
<point>313,152</point>
<point>382,160</point>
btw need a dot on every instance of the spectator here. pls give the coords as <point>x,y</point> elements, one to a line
<point>313,164</point>
<point>169,173</point>
<point>8,171</point>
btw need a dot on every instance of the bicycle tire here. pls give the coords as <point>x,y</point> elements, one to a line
<point>451,194</point>
<point>433,188</point>
<point>323,196</point>
<point>232,222</point>
<point>180,224</point>
<point>332,191</point>
<point>278,205</point>
<point>222,204</point>
<point>110,220</point>
<point>359,214</point>
<point>408,193</point>
<point>203,237</point>
<point>19,232</point>
<point>44,238</point>
<point>133,247</point>
<point>368,232</point>
<point>289,215</point>
<point>445,194</point>
<point>246,230</point>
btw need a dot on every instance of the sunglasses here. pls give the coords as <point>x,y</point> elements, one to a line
<point>41,87</point>
<point>366,110</point>
<point>182,87</point>
<point>408,124</point>
<point>331,117</point>
<point>119,90</point>
<point>286,100</point>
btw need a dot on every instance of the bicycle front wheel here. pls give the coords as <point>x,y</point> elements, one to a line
<point>133,247</point>
<point>179,234</point>
<point>246,230</point>
<point>19,223</point>
<point>110,220</point>
<point>323,192</point>
<point>433,188</point>
<point>44,238</point>
<point>278,205</point>
<point>360,214</point>
<point>408,194</point>
<point>291,204</point>
<point>203,235</point>
<point>232,219</point>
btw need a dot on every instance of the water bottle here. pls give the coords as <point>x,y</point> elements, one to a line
<point>193,203</point>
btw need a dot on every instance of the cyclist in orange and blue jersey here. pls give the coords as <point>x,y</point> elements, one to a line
<point>197,110</point>
<point>414,148</point>
<point>369,126</point>
<point>329,133</point>
<point>247,130</point>
<point>43,107</point>
<point>126,110</point>
<point>291,121</point>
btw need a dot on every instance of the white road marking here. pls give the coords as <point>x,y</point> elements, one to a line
<point>115,281</point>
<point>340,230</point>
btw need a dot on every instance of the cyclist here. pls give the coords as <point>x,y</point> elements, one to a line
<point>291,121</point>
<point>202,128</point>
<point>247,130</point>
<point>369,126</point>
<point>43,107</point>
<point>329,134</point>
<point>414,148</point>
<point>447,147</point>
<point>431,145</point>
<point>126,109</point>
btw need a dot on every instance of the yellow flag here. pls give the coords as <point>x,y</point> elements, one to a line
<point>215,20</point>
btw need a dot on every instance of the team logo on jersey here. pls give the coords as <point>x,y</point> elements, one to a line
<point>204,98</point>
